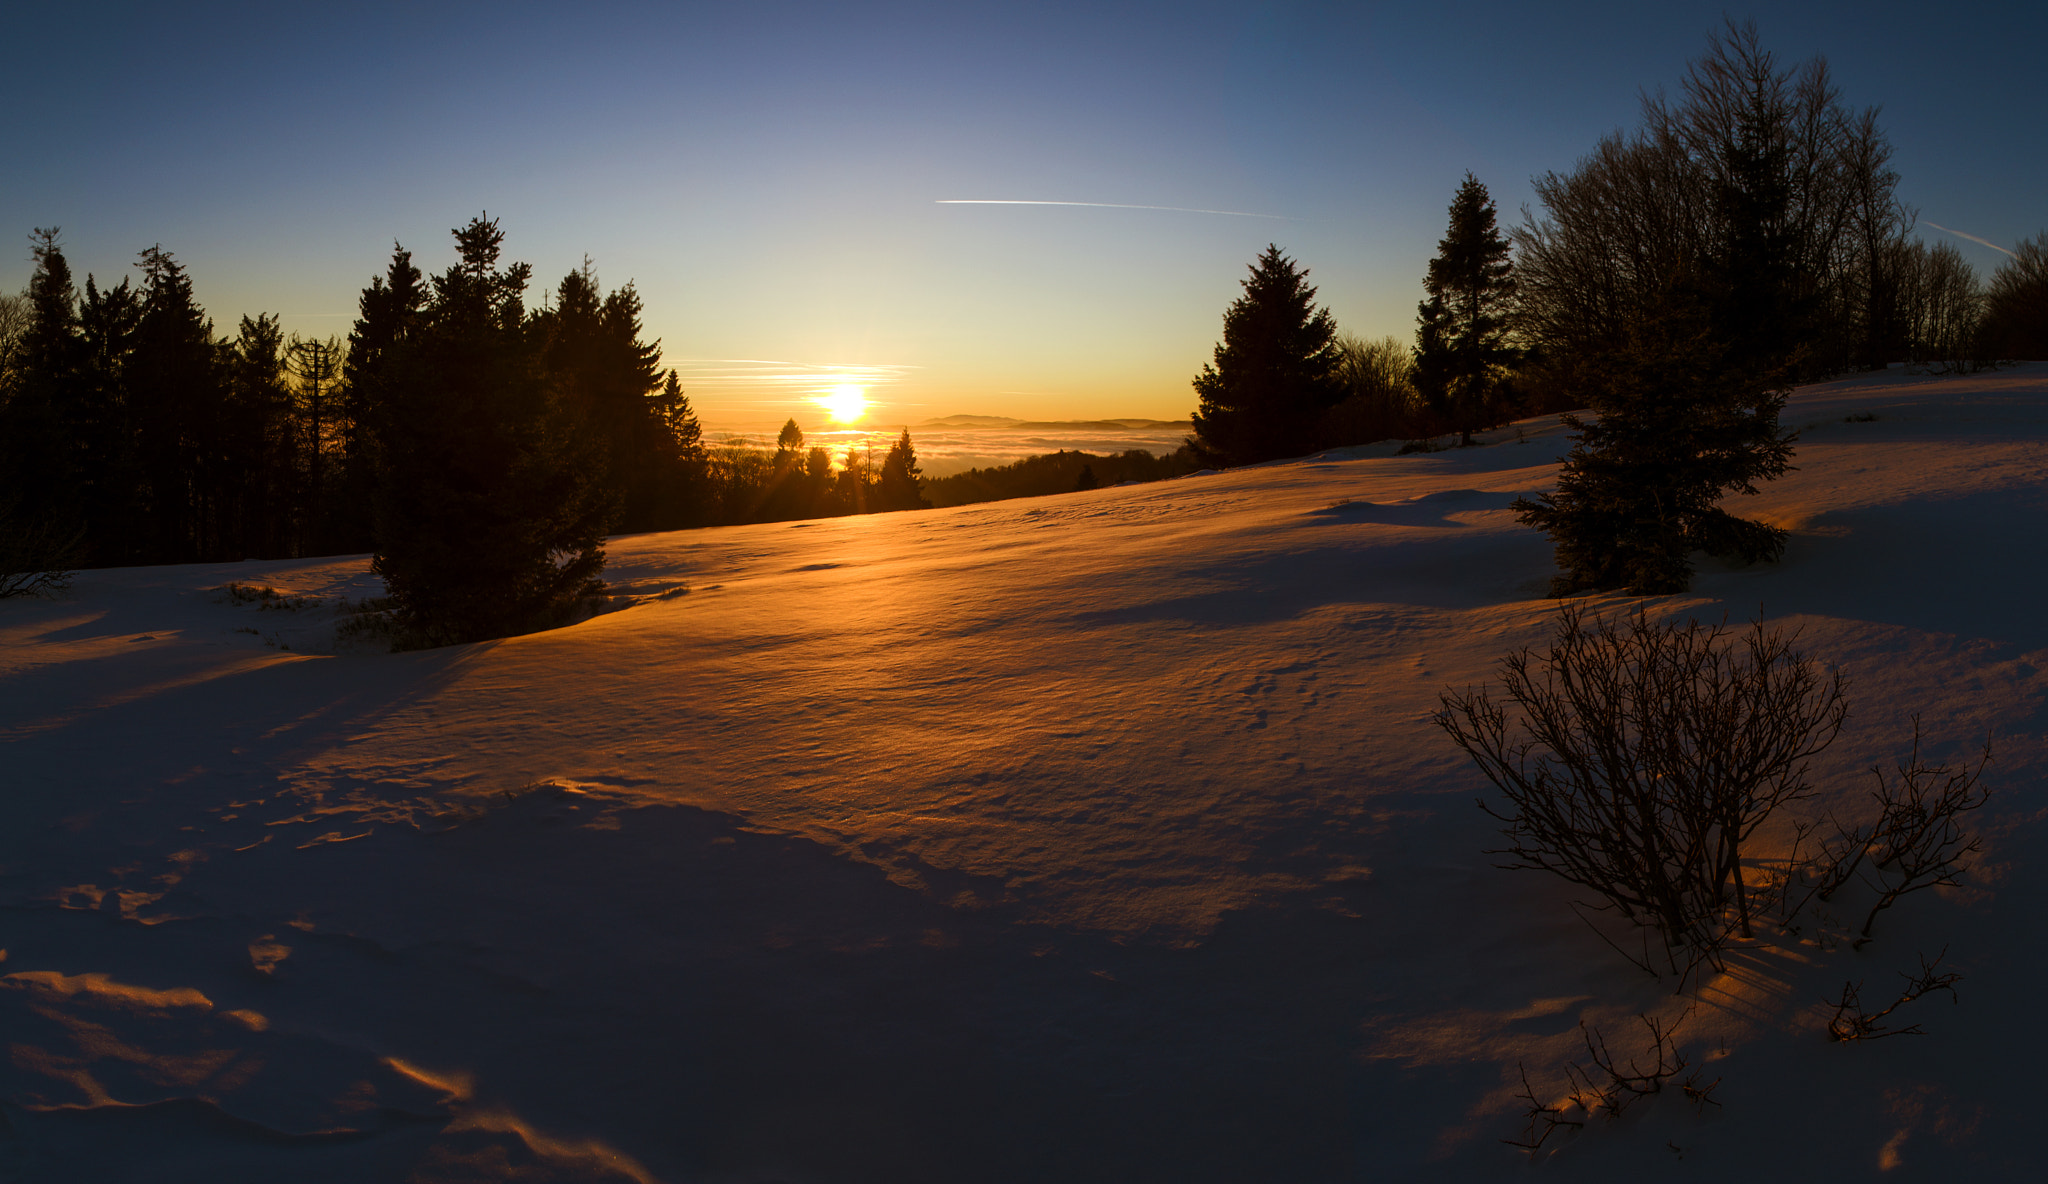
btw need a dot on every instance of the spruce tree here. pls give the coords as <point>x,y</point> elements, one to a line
<point>682,497</point>
<point>1272,379</point>
<point>1682,422</point>
<point>595,356</point>
<point>42,464</point>
<point>491,510</point>
<point>389,312</point>
<point>315,365</point>
<point>263,443</point>
<point>1689,365</point>
<point>1462,352</point>
<point>36,416</point>
<point>900,486</point>
<point>178,383</point>
<point>108,322</point>
<point>789,443</point>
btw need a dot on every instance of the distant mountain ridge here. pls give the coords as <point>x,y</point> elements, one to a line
<point>1004,422</point>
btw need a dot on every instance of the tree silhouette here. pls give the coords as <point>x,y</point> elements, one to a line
<point>596,361</point>
<point>683,494</point>
<point>316,365</point>
<point>179,389</point>
<point>263,491</point>
<point>1674,292</point>
<point>491,509</point>
<point>1462,354</point>
<point>899,487</point>
<point>390,312</point>
<point>41,468</point>
<point>111,486</point>
<point>2016,307</point>
<point>1271,380</point>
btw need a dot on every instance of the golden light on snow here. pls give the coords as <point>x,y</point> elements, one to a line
<point>845,403</point>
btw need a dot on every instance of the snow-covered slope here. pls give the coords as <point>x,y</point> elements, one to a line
<point>1102,836</point>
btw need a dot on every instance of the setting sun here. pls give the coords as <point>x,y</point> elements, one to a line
<point>845,402</point>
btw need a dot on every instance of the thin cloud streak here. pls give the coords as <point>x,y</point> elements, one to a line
<point>1973,238</point>
<point>1101,205</point>
<point>745,373</point>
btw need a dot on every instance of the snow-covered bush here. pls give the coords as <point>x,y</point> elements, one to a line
<point>1638,757</point>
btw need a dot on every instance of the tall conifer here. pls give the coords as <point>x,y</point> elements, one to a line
<point>113,485</point>
<point>1462,352</point>
<point>1273,374</point>
<point>389,313</point>
<point>40,467</point>
<point>901,486</point>
<point>177,384</point>
<point>491,508</point>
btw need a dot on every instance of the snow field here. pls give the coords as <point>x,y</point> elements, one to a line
<point>1096,837</point>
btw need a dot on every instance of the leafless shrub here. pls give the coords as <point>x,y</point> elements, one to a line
<point>36,558</point>
<point>1608,1086</point>
<point>1918,840</point>
<point>266,597</point>
<point>1611,1088</point>
<point>1851,1022</point>
<point>1544,1119</point>
<point>1642,756</point>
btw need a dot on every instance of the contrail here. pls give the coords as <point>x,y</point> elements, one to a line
<point>1100,205</point>
<point>1973,238</point>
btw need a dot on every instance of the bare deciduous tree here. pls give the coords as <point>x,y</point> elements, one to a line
<point>14,320</point>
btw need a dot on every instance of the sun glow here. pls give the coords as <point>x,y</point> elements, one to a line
<point>845,403</point>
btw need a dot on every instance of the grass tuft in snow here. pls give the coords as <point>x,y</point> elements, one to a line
<point>266,597</point>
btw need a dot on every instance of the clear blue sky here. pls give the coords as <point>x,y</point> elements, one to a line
<point>769,174</point>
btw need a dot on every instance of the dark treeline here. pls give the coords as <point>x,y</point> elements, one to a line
<point>1678,281</point>
<point>482,449</point>
<point>1057,472</point>
<point>129,421</point>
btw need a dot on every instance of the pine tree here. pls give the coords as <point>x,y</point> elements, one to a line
<point>854,487</point>
<point>316,366</point>
<point>596,358</point>
<point>42,465</point>
<point>113,487</point>
<point>178,385</point>
<point>1690,370</point>
<point>262,443</point>
<point>389,313</point>
<point>1681,424</point>
<point>789,442</point>
<point>682,499</point>
<point>1273,375</point>
<point>900,486</point>
<point>1462,352</point>
<point>491,510</point>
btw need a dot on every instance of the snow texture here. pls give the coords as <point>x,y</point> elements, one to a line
<point>1095,837</point>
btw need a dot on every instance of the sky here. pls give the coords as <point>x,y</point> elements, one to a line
<point>778,180</point>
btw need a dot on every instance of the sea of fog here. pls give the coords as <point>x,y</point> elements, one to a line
<point>951,446</point>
